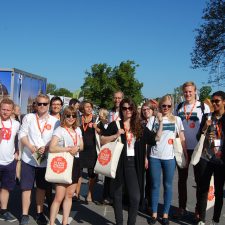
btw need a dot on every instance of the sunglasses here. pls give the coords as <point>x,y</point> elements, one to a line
<point>127,108</point>
<point>164,106</point>
<point>215,101</point>
<point>42,103</point>
<point>146,109</point>
<point>69,116</point>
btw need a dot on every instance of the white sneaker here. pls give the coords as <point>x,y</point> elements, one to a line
<point>201,223</point>
<point>214,223</point>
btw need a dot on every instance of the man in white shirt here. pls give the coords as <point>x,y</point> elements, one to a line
<point>8,155</point>
<point>190,112</point>
<point>35,134</point>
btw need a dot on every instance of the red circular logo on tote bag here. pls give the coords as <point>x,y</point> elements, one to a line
<point>104,156</point>
<point>58,164</point>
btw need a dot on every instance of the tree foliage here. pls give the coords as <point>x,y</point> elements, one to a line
<point>51,89</point>
<point>204,93</point>
<point>102,81</point>
<point>209,50</point>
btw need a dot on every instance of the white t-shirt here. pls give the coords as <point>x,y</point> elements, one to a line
<point>38,136</point>
<point>7,147</point>
<point>191,126</point>
<point>164,148</point>
<point>65,139</point>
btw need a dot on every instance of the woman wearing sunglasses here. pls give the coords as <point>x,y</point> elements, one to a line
<point>161,158</point>
<point>66,138</point>
<point>130,169</point>
<point>212,158</point>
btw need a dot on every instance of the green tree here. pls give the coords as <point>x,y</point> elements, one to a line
<point>124,74</point>
<point>63,92</point>
<point>102,81</point>
<point>99,86</point>
<point>204,93</point>
<point>50,88</point>
<point>209,50</point>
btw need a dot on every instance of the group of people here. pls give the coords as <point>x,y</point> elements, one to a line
<point>148,152</point>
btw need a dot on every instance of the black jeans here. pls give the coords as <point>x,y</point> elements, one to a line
<point>206,170</point>
<point>182,182</point>
<point>132,186</point>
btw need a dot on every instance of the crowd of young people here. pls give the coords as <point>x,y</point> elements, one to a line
<point>148,152</point>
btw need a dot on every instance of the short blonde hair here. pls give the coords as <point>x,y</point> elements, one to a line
<point>189,83</point>
<point>103,113</point>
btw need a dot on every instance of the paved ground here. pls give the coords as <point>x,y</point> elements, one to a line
<point>103,215</point>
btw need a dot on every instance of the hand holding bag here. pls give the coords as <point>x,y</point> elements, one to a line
<point>179,153</point>
<point>108,157</point>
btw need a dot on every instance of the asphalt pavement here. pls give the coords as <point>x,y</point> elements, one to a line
<point>97,214</point>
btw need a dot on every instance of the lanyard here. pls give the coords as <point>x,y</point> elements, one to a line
<point>85,125</point>
<point>37,119</point>
<point>187,116</point>
<point>129,135</point>
<point>74,137</point>
<point>113,115</point>
<point>6,132</point>
<point>219,129</point>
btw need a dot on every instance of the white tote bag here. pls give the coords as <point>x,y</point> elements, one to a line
<point>59,168</point>
<point>179,153</point>
<point>108,158</point>
<point>196,155</point>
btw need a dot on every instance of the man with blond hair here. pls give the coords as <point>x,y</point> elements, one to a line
<point>190,111</point>
<point>35,134</point>
<point>8,156</point>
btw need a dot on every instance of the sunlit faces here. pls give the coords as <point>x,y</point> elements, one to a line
<point>147,112</point>
<point>56,107</point>
<point>189,93</point>
<point>6,111</point>
<point>127,110</point>
<point>217,103</point>
<point>117,99</point>
<point>42,105</point>
<point>166,107</point>
<point>88,109</point>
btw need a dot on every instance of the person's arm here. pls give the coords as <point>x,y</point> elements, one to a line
<point>54,147</point>
<point>111,133</point>
<point>81,145</point>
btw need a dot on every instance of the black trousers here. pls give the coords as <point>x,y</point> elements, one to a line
<point>206,169</point>
<point>132,186</point>
<point>182,183</point>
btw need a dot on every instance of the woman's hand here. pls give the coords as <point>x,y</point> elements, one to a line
<point>73,150</point>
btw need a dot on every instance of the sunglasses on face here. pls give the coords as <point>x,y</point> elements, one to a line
<point>146,109</point>
<point>69,116</point>
<point>127,108</point>
<point>42,103</point>
<point>215,101</point>
<point>168,106</point>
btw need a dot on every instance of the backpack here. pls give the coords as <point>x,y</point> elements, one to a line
<point>202,106</point>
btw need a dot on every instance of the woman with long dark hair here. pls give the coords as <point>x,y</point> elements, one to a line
<point>212,158</point>
<point>130,170</point>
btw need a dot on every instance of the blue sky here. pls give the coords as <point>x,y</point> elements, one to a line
<point>61,39</point>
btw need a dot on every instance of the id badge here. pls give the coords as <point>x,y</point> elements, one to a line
<point>217,142</point>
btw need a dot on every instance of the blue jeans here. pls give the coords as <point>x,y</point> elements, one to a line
<point>168,169</point>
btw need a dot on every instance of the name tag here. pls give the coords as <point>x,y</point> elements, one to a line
<point>217,142</point>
